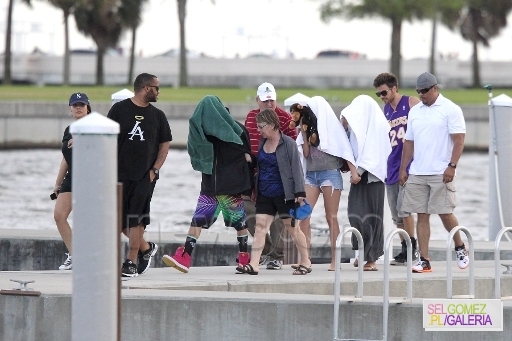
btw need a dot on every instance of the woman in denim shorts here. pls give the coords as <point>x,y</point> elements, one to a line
<point>323,156</point>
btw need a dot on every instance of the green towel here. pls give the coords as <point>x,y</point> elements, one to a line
<point>209,118</point>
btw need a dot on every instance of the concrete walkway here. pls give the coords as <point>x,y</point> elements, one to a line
<point>214,303</point>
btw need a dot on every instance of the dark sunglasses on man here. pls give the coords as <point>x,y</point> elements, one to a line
<point>382,93</point>
<point>425,90</point>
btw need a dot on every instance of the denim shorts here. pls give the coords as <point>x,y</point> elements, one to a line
<point>327,178</point>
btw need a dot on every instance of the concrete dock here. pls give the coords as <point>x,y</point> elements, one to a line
<point>213,303</point>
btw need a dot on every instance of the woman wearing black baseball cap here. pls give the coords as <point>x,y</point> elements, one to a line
<point>79,106</point>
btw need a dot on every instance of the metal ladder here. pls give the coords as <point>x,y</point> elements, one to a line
<point>449,283</point>
<point>359,296</point>
<point>497,275</point>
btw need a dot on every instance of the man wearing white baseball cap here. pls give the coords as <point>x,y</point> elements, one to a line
<point>273,251</point>
<point>266,92</point>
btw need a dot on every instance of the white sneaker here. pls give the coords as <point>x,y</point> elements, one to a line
<point>67,263</point>
<point>423,265</point>
<point>274,265</point>
<point>462,256</point>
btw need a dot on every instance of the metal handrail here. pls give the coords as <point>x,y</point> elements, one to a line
<point>385,308</point>
<point>337,275</point>
<point>497,275</point>
<point>449,265</point>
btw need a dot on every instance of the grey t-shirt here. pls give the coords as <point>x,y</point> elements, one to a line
<point>320,161</point>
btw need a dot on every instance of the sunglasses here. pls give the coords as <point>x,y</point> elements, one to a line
<point>424,91</point>
<point>382,93</point>
<point>260,127</point>
<point>154,86</point>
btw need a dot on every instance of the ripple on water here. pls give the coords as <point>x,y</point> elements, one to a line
<point>27,178</point>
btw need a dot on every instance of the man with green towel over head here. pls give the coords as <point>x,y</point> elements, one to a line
<point>219,148</point>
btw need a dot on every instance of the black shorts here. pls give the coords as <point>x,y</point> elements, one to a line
<point>65,186</point>
<point>136,201</point>
<point>271,206</point>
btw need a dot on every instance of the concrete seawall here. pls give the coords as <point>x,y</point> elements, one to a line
<point>41,124</point>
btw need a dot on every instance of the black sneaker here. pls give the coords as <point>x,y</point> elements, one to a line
<point>129,269</point>
<point>144,258</point>
<point>401,258</point>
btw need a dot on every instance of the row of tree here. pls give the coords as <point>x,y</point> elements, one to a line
<point>102,20</point>
<point>477,21</point>
<point>105,20</point>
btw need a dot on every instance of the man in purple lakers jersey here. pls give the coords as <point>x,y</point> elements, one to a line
<point>396,110</point>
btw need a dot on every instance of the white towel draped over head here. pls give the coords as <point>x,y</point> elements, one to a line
<point>333,138</point>
<point>371,130</point>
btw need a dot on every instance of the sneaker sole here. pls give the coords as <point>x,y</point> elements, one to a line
<point>169,261</point>
<point>397,263</point>
<point>421,271</point>
<point>463,267</point>
<point>152,254</point>
<point>63,269</point>
<point>129,275</point>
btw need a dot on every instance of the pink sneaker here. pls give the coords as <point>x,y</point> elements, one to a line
<point>181,260</point>
<point>243,258</point>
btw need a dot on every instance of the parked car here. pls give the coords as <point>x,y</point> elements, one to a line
<point>176,53</point>
<point>340,54</point>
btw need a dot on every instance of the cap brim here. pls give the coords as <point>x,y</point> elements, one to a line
<point>81,101</point>
<point>266,97</point>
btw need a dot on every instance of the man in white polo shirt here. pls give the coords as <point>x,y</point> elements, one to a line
<point>434,141</point>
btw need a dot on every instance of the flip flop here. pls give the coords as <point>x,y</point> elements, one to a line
<point>302,270</point>
<point>246,269</point>
<point>370,268</point>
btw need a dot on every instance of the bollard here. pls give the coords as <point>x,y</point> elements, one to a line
<point>96,265</point>
<point>500,165</point>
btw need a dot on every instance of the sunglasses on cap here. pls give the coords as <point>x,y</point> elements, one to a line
<point>425,90</point>
<point>382,93</point>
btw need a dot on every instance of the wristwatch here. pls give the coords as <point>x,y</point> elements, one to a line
<point>156,171</point>
<point>453,165</point>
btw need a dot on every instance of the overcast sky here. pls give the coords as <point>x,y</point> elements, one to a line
<point>242,27</point>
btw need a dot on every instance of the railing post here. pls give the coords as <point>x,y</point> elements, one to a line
<point>337,275</point>
<point>385,304</point>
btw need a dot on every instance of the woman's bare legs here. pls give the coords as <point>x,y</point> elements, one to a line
<point>312,194</point>
<point>300,241</point>
<point>331,204</point>
<point>261,228</point>
<point>63,206</point>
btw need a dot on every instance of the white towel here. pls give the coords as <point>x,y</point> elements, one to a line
<point>333,138</point>
<point>371,130</point>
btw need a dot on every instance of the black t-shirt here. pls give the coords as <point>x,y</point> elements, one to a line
<point>67,152</point>
<point>142,129</point>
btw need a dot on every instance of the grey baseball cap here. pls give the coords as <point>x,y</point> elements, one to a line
<point>426,80</point>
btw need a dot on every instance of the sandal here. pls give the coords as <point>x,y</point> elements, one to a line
<point>296,266</point>
<point>302,270</point>
<point>246,269</point>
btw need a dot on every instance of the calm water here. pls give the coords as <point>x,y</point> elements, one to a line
<point>27,178</point>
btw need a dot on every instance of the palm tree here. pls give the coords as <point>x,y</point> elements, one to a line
<point>67,7</point>
<point>131,15</point>
<point>8,38</point>
<point>101,20</point>
<point>395,11</point>
<point>182,13</point>
<point>478,21</point>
